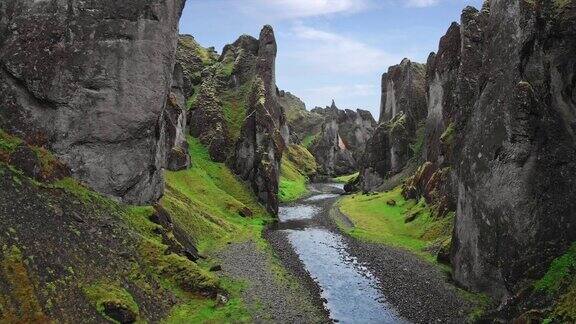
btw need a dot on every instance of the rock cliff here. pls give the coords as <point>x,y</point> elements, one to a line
<point>498,142</point>
<point>265,132</point>
<point>403,108</point>
<point>341,140</point>
<point>89,80</point>
<point>516,148</point>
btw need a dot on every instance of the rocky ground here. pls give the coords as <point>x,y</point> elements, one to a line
<point>272,295</point>
<point>418,290</point>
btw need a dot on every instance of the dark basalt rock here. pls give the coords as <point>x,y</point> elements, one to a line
<point>89,79</point>
<point>516,175</point>
<point>119,312</point>
<point>264,137</point>
<point>402,109</point>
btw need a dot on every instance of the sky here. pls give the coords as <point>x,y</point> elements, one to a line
<point>330,49</point>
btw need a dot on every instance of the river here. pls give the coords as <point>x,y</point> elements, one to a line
<point>348,289</point>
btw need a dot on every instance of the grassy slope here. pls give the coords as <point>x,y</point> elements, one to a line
<point>297,165</point>
<point>375,220</point>
<point>205,201</point>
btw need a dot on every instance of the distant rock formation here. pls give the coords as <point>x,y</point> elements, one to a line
<point>341,140</point>
<point>83,79</point>
<point>403,108</point>
<point>234,108</point>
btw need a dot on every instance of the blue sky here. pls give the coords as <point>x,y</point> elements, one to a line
<point>330,48</point>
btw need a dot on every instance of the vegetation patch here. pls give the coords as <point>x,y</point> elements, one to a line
<point>297,166</point>
<point>112,302</point>
<point>447,137</point>
<point>389,218</point>
<point>560,280</point>
<point>8,143</point>
<point>19,303</point>
<point>211,311</point>
<point>559,273</point>
<point>417,146</point>
<point>208,201</point>
<point>347,178</point>
<point>308,140</point>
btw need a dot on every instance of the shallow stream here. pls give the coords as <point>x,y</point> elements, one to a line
<point>349,291</point>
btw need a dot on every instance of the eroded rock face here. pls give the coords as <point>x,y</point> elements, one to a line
<point>403,107</point>
<point>175,119</point>
<point>342,139</point>
<point>263,138</point>
<point>517,173</point>
<point>90,80</point>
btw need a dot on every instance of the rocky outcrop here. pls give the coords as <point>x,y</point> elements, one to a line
<point>516,170</point>
<point>403,108</point>
<point>264,137</point>
<point>234,108</point>
<point>342,139</point>
<point>89,80</point>
<point>304,125</point>
<point>175,119</point>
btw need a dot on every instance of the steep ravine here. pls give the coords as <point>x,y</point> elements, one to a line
<point>141,175</point>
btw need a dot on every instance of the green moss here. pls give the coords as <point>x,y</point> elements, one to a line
<point>448,136</point>
<point>565,308</point>
<point>103,294</point>
<point>381,218</point>
<point>234,114</point>
<point>20,305</point>
<point>417,146</point>
<point>81,192</point>
<point>308,140</point>
<point>297,165</point>
<point>176,271</point>
<point>8,143</point>
<point>208,57</point>
<point>398,124</point>
<point>209,311</point>
<point>347,178</point>
<point>559,272</point>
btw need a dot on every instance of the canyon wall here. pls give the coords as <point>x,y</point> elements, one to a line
<point>499,144</point>
<point>90,81</point>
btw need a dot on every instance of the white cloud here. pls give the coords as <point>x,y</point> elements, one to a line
<point>421,3</point>
<point>294,9</point>
<point>321,51</point>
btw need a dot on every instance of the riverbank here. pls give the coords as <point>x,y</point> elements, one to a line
<point>416,290</point>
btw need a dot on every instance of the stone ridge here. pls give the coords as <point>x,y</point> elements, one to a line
<point>84,80</point>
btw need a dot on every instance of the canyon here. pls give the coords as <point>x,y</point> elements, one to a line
<point>145,177</point>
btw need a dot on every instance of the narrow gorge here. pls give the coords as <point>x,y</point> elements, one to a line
<point>145,177</point>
